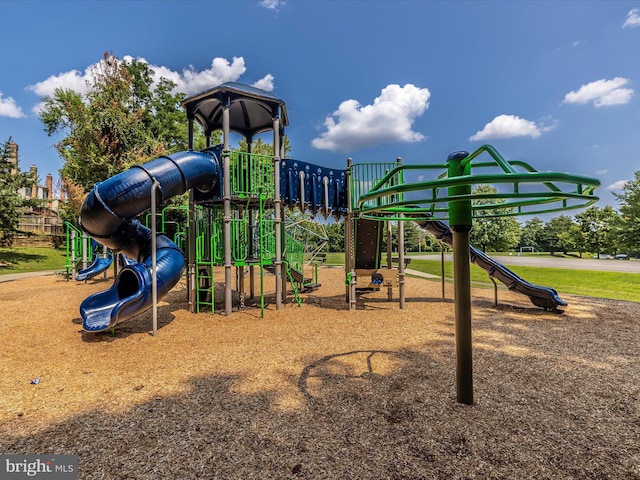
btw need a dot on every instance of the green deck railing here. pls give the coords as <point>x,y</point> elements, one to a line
<point>294,254</point>
<point>365,175</point>
<point>252,175</point>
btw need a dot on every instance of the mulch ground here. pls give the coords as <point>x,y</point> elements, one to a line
<point>321,392</point>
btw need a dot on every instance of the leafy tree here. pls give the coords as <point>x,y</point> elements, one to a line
<point>614,239</point>
<point>12,205</point>
<point>415,239</point>
<point>556,235</point>
<point>335,232</point>
<point>629,201</point>
<point>531,233</point>
<point>104,131</point>
<point>490,230</point>
<point>594,229</point>
<point>261,147</point>
<point>75,194</point>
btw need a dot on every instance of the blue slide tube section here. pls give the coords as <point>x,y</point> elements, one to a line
<point>97,266</point>
<point>107,215</point>
<point>543,297</point>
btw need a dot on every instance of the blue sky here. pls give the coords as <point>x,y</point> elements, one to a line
<point>553,83</point>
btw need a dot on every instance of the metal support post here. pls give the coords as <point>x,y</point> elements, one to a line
<point>462,295</point>
<point>85,248</point>
<point>277,205</point>
<point>461,219</point>
<point>349,241</point>
<point>191,239</point>
<point>442,269</point>
<point>226,195</point>
<point>154,270</point>
<point>389,233</point>
<point>401,263</point>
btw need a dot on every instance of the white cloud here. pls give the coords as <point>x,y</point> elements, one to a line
<point>509,126</point>
<point>221,71</point>
<point>388,119</point>
<point>602,92</point>
<point>633,18</point>
<point>265,83</point>
<point>72,80</point>
<point>9,108</point>
<point>601,172</point>
<point>188,81</point>
<point>272,4</point>
<point>619,185</point>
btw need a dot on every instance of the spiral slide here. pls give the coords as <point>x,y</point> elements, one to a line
<point>108,215</point>
<point>544,297</point>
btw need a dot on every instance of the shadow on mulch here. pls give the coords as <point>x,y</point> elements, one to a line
<point>356,421</point>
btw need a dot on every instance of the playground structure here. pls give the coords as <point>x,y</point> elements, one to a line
<point>235,217</point>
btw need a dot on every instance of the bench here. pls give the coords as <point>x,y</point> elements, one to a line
<point>394,261</point>
<point>320,258</point>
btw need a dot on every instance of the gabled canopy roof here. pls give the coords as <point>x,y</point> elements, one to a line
<point>251,110</point>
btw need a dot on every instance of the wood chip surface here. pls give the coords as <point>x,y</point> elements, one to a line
<point>321,392</point>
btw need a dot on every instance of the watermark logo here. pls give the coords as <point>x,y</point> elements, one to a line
<point>49,467</point>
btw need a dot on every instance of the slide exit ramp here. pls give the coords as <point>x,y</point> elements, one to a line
<point>98,265</point>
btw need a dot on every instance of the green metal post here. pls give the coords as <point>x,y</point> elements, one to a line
<point>460,215</point>
<point>401,276</point>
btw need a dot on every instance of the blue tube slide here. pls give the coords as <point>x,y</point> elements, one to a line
<point>108,215</point>
<point>97,266</point>
<point>543,297</point>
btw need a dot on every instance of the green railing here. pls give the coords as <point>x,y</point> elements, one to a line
<point>74,241</point>
<point>267,241</point>
<point>239,240</point>
<point>295,254</point>
<point>365,175</point>
<point>252,174</point>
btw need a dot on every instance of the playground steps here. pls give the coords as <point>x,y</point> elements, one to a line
<point>306,284</point>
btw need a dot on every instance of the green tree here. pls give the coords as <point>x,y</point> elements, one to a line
<point>415,239</point>
<point>531,233</point>
<point>556,235</point>
<point>629,201</point>
<point>264,148</point>
<point>104,130</point>
<point>594,229</point>
<point>12,205</point>
<point>335,232</point>
<point>491,229</point>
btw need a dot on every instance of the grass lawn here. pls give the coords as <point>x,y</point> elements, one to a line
<point>590,283</point>
<point>621,286</point>
<point>31,259</point>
